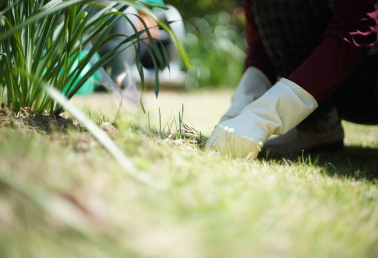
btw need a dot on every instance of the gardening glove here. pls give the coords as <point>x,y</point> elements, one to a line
<point>281,108</point>
<point>252,85</point>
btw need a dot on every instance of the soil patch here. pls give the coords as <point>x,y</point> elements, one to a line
<point>53,126</point>
<point>41,124</point>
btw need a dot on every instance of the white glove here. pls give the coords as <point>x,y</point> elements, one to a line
<point>253,84</point>
<point>281,108</point>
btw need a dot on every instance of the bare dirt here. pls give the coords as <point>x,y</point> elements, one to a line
<point>41,124</point>
<point>54,127</point>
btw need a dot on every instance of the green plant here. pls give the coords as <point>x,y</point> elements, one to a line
<point>40,41</point>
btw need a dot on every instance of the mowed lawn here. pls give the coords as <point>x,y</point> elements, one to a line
<point>57,200</point>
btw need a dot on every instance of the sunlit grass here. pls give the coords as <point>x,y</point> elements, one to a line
<point>213,207</point>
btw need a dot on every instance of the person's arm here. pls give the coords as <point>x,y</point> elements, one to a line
<point>259,74</point>
<point>348,38</point>
<point>256,54</point>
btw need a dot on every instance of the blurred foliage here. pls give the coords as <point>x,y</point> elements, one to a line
<point>215,41</point>
<point>216,47</point>
<point>200,8</point>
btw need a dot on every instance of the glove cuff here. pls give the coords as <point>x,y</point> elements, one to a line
<point>258,71</point>
<point>281,108</point>
<point>253,84</point>
<point>306,97</point>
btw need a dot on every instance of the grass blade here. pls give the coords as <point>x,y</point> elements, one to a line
<point>102,137</point>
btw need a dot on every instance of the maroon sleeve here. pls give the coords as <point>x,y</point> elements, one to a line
<point>348,38</point>
<point>256,54</point>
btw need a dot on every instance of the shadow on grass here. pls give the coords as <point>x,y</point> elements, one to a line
<point>352,161</point>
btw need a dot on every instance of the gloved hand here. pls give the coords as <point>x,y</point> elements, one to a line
<point>253,84</point>
<point>280,109</point>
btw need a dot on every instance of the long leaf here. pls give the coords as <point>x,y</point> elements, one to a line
<point>39,15</point>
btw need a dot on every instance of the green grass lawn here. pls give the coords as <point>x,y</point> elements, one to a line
<point>56,201</point>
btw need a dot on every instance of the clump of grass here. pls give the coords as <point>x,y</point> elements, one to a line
<point>192,134</point>
<point>177,130</point>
